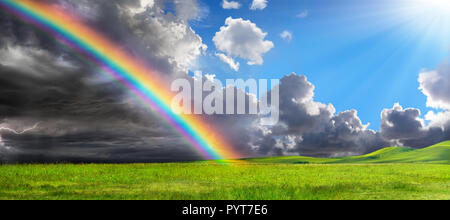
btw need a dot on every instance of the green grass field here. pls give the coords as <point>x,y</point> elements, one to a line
<point>392,173</point>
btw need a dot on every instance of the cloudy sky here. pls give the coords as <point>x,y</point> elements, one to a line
<point>355,76</point>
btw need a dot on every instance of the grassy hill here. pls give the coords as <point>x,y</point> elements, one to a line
<point>436,154</point>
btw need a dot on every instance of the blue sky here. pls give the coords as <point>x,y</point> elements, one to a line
<point>363,55</point>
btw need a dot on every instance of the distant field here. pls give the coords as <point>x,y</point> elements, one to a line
<point>392,173</point>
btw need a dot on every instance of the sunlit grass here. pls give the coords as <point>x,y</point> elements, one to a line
<point>223,182</point>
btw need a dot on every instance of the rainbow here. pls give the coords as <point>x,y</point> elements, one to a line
<point>132,73</point>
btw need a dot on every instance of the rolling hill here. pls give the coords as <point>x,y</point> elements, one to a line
<point>436,154</point>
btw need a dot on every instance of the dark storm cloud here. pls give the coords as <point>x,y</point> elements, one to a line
<point>343,135</point>
<point>97,145</point>
<point>83,116</point>
<point>408,127</point>
<point>35,83</point>
<point>78,117</point>
<point>399,123</point>
<point>298,110</point>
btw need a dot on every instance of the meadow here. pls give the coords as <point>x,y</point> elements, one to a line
<point>390,173</point>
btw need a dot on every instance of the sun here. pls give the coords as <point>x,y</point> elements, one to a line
<point>426,12</point>
<point>429,17</point>
<point>442,6</point>
<point>433,8</point>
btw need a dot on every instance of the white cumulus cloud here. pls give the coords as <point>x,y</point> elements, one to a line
<point>242,38</point>
<point>258,5</point>
<point>286,35</point>
<point>435,85</point>
<point>229,60</point>
<point>303,14</point>
<point>230,4</point>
